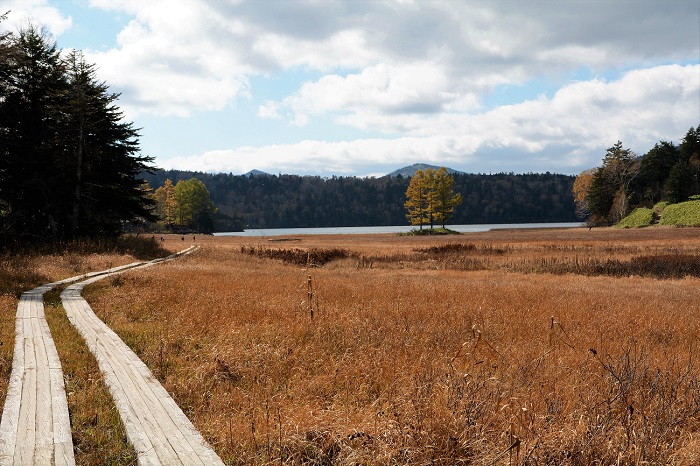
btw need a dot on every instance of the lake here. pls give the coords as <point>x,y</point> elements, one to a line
<point>388,229</point>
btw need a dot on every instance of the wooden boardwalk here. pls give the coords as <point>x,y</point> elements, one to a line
<point>35,425</point>
<point>155,425</point>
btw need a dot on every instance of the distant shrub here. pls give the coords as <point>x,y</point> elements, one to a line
<point>448,248</point>
<point>684,214</point>
<point>666,265</point>
<point>461,248</point>
<point>640,217</point>
<point>313,257</point>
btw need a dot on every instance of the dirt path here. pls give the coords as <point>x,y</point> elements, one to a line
<point>35,423</point>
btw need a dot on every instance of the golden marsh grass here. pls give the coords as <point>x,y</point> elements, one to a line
<point>476,349</point>
<point>414,358</point>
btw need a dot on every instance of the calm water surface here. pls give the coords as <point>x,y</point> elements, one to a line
<point>389,229</point>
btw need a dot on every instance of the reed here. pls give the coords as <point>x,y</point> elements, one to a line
<point>415,361</point>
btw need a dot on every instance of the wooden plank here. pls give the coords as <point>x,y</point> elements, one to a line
<point>159,430</point>
<point>10,415</point>
<point>62,438</point>
<point>43,417</point>
<point>26,429</point>
<point>115,370</point>
<point>35,422</point>
<point>133,413</point>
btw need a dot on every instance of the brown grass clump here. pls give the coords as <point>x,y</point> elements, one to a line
<point>314,257</point>
<point>415,360</point>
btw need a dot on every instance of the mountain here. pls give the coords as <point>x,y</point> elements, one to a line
<point>256,173</point>
<point>409,171</point>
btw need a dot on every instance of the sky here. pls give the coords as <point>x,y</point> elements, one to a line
<point>361,88</point>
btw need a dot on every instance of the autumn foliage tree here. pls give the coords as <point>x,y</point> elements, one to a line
<point>445,200</point>
<point>430,198</point>
<point>166,206</point>
<point>417,199</point>
<point>582,186</point>
<point>187,204</point>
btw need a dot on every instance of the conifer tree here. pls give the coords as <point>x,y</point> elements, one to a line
<point>430,197</point>
<point>608,197</point>
<point>69,164</point>
<point>417,201</point>
<point>445,200</point>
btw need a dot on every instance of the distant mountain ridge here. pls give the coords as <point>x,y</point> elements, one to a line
<point>405,172</point>
<point>409,171</point>
<point>255,172</point>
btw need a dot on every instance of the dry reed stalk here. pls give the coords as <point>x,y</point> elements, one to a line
<point>381,375</point>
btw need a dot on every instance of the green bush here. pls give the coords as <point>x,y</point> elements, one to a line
<point>640,217</point>
<point>684,214</point>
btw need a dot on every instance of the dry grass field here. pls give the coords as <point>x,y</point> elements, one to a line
<point>508,347</point>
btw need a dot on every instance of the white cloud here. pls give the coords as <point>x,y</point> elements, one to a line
<point>347,49</point>
<point>567,133</point>
<point>167,62</point>
<point>22,11</point>
<point>400,89</point>
<point>269,110</point>
<point>193,55</point>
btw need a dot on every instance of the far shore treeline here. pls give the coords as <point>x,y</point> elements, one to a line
<point>293,201</point>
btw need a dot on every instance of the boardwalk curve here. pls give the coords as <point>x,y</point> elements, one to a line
<point>35,425</point>
<point>155,425</point>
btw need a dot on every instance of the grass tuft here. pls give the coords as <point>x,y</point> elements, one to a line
<point>313,257</point>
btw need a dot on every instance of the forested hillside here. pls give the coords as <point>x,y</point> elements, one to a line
<point>289,201</point>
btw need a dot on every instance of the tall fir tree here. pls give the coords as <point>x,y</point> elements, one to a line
<point>445,199</point>
<point>34,95</point>
<point>417,200</point>
<point>105,155</point>
<point>684,179</point>
<point>69,164</point>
